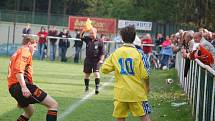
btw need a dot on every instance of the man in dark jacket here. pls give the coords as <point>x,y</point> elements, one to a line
<point>78,45</point>
<point>27,29</point>
<point>64,44</point>
<point>52,32</point>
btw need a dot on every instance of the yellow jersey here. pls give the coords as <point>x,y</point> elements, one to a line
<point>130,74</point>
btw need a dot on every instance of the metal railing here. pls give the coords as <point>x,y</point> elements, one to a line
<point>37,18</point>
<point>199,85</point>
<point>62,20</point>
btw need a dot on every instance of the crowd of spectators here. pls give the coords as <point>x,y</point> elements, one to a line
<point>192,45</point>
<point>160,51</point>
<point>51,35</point>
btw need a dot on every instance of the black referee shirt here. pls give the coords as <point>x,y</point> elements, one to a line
<point>94,49</point>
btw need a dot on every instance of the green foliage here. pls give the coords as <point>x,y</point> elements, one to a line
<point>196,12</point>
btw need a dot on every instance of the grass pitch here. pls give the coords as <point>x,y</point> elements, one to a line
<point>64,82</point>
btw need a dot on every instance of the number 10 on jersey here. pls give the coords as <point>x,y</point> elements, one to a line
<point>126,66</point>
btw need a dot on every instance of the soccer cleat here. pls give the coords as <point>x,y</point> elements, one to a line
<point>86,89</point>
<point>97,90</point>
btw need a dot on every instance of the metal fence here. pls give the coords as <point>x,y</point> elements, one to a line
<point>36,18</point>
<point>199,85</point>
<point>9,49</point>
<point>62,20</point>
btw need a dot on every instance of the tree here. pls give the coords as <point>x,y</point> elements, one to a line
<point>198,12</point>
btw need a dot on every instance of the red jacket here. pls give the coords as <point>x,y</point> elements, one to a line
<point>203,55</point>
<point>147,49</point>
<point>166,43</point>
<point>42,37</point>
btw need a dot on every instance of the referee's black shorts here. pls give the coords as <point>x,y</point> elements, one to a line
<point>91,66</point>
<point>37,95</point>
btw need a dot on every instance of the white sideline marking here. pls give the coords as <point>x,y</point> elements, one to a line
<point>73,106</point>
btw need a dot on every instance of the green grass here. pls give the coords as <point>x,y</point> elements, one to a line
<point>64,82</point>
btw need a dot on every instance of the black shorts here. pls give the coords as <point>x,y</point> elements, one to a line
<point>37,96</point>
<point>91,66</point>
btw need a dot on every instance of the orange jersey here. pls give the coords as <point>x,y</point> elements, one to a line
<point>20,62</point>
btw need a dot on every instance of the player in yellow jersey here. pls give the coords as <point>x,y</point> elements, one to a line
<point>131,79</point>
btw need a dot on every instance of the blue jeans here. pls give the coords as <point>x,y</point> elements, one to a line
<point>77,54</point>
<point>52,51</point>
<point>62,53</point>
<point>165,60</point>
<point>41,48</point>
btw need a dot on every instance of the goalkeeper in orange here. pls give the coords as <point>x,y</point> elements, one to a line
<point>131,79</point>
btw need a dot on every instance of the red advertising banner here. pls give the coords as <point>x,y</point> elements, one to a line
<point>103,25</point>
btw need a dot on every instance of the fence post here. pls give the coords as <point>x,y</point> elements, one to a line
<point>194,91</point>
<point>205,89</point>
<point>198,94</point>
<point>8,38</point>
<point>181,73</point>
<point>0,15</point>
<point>200,89</point>
<point>192,81</point>
<point>190,76</point>
<point>212,102</point>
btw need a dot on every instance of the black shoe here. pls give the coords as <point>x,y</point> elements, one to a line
<point>86,89</point>
<point>97,91</point>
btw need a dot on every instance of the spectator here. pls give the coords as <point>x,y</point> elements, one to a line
<point>146,48</point>
<point>213,39</point>
<point>205,44</point>
<point>53,32</point>
<point>42,42</point>
<point>147,39</point>
<point>159,40</point>
<point>203,55</point>
<point>174,42</point>
<point>63,44</point>
<point>188,47</point>
<point>175,49</point>
<point>201,29</point>
<point>131,85</point>
<point>208,36</point>
<point>27,29</point>
<point>107,45</point>
<point>166,53</point>
<point>180,35</point>
<point>199,39</point>
<point>94,57</point>
<point>78,45</point>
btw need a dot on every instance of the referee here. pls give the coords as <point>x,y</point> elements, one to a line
<point>94,57</point>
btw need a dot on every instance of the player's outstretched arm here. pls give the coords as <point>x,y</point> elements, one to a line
<point>82,34</point>
<point>108,66</point>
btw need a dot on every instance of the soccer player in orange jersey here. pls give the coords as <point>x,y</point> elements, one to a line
<point>21,85</point>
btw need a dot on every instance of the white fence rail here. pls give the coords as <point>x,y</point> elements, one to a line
<point>199,85</point>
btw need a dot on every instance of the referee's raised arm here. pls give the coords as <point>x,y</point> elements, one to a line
<point>82,34</point>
